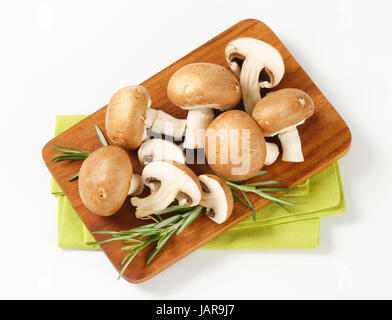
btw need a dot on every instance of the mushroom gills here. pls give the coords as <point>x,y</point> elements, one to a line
<point>157,201</point>
<point>258,64</point>
<point>236,62</point>
<point>168,181</point>
<point>216,198</point>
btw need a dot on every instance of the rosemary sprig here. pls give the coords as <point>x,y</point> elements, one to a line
<point>101,136</point>
<point>69,153</point>
<point>257,188</point>
<point>73,177</point>
<point>159,232</point>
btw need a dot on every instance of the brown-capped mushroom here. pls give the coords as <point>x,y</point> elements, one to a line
<point>216,197</point>
<point>172,181</point>
<point>159,149</point>
<point>104,180</point>
<point>280,113</point>
<point>128,115</point>
<point>200,88</point>
<point>258,64</point>
<point>235,146</point>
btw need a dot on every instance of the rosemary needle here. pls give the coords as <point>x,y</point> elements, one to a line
<point>259,189</point>
<point>159,232</point>
<point>76,154</point>
<point>101,136</point>
<point>73,177</point>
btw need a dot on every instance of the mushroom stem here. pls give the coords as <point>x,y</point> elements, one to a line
<point>250,84</point>
<point>272,153</point>
<point>291,145</point>
<point>197,123</point>
<point>137,185</point>
<point>163,123</point>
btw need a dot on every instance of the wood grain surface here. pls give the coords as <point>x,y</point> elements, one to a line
<point>325,138</point>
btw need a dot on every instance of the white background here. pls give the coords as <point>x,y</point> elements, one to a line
<point>68,57</point>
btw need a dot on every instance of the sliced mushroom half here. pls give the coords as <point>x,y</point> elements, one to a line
<point>216,197</point>
<point>271,153</point>
<point>159,149</point>
<point>137,185</point>
<point>171,181</point>
<point>258,64</point>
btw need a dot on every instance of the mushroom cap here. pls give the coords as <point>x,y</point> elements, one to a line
<point>282,109</point>
<point>265,57</point>
<point>239,136</point>
<point>159,149</point>
<point>125,116</point>
<point>204,85</point>
<point>104,180</point>
<point>217,197</point>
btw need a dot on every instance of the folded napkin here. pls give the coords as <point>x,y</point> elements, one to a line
<point>274,227</point>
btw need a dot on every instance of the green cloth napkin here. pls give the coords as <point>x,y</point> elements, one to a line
<point>274,228</point>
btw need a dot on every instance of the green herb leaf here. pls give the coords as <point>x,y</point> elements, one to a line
<point>276,189</point>
<point>73,177</point>
<point>273,198</point>
<point>281,205</point>
<point>190,218</point>
<point>168,221</point>
<point>237,198</point>
<point>262,183</point>
<point>251,206</point>
<point>262,192</point>
<point>174,209</point>
<point>57,147</point>
<point>260,173</point>
<point>101,136</point>
<point>159,246</point>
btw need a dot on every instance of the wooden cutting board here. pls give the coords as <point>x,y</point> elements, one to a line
<point>325,138</point>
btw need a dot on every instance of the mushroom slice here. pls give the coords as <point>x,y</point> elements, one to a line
<point>171,181</point>
<point>271,153</point>
<point>137,185</point>
<point>159,149</point>
<point>129,114</point>
<point>104,180</point>
<point>279,113</point>
<point>258,64</point>
<point>216,197</point>
<point>200,88</point>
